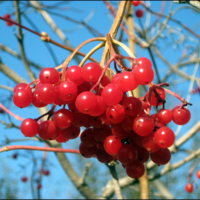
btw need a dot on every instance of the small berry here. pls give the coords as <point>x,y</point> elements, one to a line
<point>189,188</point>
<point>139,13</point>
<point>15,156</point>
<point>24,179</point>
<point>39,186</point>
<point>198,174</point>
<point>46,172</point>
<point>135,3</point>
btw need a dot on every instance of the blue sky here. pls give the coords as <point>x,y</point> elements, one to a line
<point>36,51</point>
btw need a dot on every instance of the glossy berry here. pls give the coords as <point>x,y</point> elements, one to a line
<point>21,86</point>
<point>87,152</point>
<point>104,119</point>
<point>80,119</point>
<point>143,74</point>
<point>74,74</point>
<point>36,101</point>
<point>143,154</point>
<point>112,94</point>
<point>148,142</point>
<point>85,86</point>
<point>181,116</point>
<point>132,106</point>
<point>86,102</point>
<point>63,118</point>
<point>164,116</point>
<point>115,113</point>
<point>29,127</point>
<point>47,93</point>
<point>139,13</point>
<point>135,169</point>
<point>22,98</point>
<point>24,179</point>
<point>144,61</point>
<point>127,154</point>
<point>112,145</point>
<point>198,174</point>
<point>91,72</point>
<point>67,90</point>
<point>126,82</point>
<point>49,75</point>
<point>164,137</point>
<point>127,124</point>
<point>189,188</point>
<point>135,3</point>
<point>143,125</point>
<point>48,130</point>
<point>161,157</point>
<point>135,140</point>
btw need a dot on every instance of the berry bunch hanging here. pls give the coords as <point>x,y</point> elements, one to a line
<point>117,125</point>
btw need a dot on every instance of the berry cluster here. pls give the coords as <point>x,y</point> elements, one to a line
<point>117,125</point>
<point>195,90</point>
<point>139,13</point>
<point>7,16</point>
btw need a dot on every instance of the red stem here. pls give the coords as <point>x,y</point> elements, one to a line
<point>13,22</point>
<point>10,113</point>
<point>8,148</point>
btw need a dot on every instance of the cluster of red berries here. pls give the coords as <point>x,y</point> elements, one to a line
<point>117,126</point>
<point>190,187</point>
<point>139,13</point>
<point>7,16</point>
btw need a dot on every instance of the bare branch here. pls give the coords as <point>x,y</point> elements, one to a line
<point>6,88</point>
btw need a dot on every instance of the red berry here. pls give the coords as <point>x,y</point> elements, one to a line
<point>112,94</point>
<point>154,99</point>
<point>80,119</point>
<point>135,169</point>
<point>15,156</point>
<point>189,188</point>
<point>144,61</point>
<point>85,86</point>
<point>87,138</point>
<point>36,101</point>
<point>104,119</point>
<point>143,74</point>
<point>46,172</point>
<point>149,143</point>
<point>112,145</point>
<point>22,98</point>
<point>135,3</point>
<point>127,154</point>
<point>48,130</point>
<point>181,116</point>
<point>67,90</point>
<point>127,124</point>
<point>103,157</point>
<point>87,152</point>
<point>24,178</point>
<point>126,82</point>
<point>139,13</point>
<point>29,127</point>
<point>135,140</point>
<point>39,186</point>
<point>198,174</point>
<point>7,16</point>
<point>164,137</point>
<point>100,134</point>
<point>115,113</point>
<point>132,106</point>
<point>119,132</point>
<point>60,137</point>
<point>91,72</point>
<point>143,125</point>
<point>21,86</point>
<point>71,133</point>
<point>73,73</point>
<point>161,157</point>
<point>86,102</point>
<point>47,93</point>
<point>49,75</point>
<point>143,154</point>
<point>164,116</point>
<point>63,118</point>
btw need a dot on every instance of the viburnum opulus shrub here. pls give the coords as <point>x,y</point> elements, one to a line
<point>116,125</point>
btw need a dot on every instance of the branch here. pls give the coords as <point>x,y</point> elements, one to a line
<point>21,43</point>
<point>11,74</point>
<point>51,23</point>
<point>115,182</point>
<point>6,88</point>
<point>195,4</point>
<point>76,180</point>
